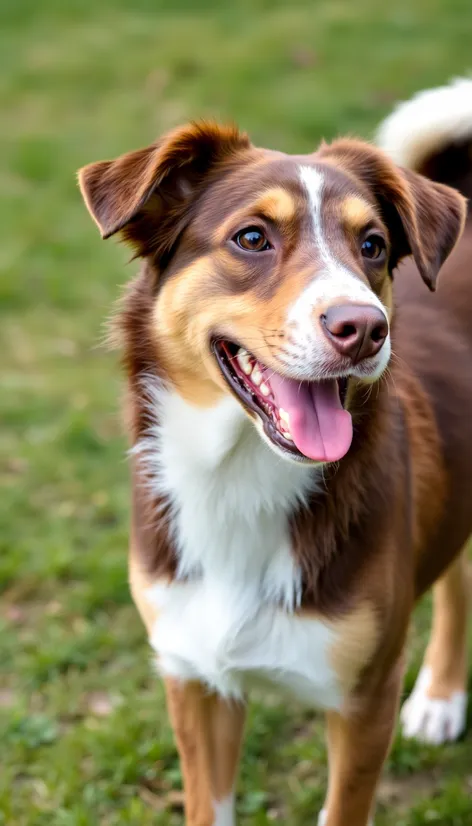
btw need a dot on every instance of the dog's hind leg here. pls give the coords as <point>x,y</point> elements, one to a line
<point>208,731</point>
<point>435,712</point>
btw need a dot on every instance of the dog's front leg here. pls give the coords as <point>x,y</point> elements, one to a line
<point>358,744</point>
<point>208,731</point>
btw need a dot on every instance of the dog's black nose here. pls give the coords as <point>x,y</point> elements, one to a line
<point>357,331</point>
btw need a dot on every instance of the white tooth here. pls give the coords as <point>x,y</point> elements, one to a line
<point>284,415</point>
<point>244,361</point>
<point>264,388</point>
<point>287,435</point>
<point>256,376</point>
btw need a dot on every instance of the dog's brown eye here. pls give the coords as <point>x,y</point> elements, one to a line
<point>373,247</point>
<point>252,239</point>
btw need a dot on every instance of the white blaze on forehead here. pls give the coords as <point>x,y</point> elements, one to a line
<point>335,280</point>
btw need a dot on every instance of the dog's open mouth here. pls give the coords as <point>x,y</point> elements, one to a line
<point>304,418</point>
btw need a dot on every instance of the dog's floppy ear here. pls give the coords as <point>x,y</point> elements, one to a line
<point>146,194</point>
<point>425,219</point>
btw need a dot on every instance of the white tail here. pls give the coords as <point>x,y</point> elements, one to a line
<point>428,123</point>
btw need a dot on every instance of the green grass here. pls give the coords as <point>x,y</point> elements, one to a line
<point>84,733</point>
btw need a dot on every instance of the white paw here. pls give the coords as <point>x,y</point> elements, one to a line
<point>323,816</point>
<point>432,720</point>
<point>224,811</point>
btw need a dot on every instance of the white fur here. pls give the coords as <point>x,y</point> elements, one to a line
<point>230,494</point>
<point>231,638</point>
<point>224,811</point>
<point>431,720</point>
<point>233,620</point>
<point>323,817</point>
<point>427,123</point>
<point>310,350</point>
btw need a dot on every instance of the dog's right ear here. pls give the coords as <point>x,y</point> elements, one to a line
<point>425,219</point>
<point>146,195</point>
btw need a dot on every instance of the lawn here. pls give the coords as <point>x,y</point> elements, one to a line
<point>84,737</point>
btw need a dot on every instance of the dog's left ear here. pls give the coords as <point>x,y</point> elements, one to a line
<point>425,219</point>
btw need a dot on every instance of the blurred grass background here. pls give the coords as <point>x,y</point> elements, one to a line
<point>84,735</point>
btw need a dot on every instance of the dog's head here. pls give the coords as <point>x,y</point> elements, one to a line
<point>272,274</point>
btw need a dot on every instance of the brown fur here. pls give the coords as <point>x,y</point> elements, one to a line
<point>395,512</point>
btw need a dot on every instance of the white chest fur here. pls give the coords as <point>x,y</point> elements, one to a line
<point>230,618</point>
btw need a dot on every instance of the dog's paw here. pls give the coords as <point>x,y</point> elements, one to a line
<point>323,816</point>
<point>431,720</point>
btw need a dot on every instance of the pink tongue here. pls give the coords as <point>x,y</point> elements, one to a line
<point>320,427</point>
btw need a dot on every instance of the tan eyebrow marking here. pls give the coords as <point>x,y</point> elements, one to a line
<point>356,212</point>
<point>276,204</point>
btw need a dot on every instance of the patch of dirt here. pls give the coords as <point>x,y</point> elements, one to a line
<point>402,791</point>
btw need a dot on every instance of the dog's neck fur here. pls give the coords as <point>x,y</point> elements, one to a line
<point>230,495</point>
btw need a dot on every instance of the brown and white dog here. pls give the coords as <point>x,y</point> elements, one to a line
<point>301,431</point>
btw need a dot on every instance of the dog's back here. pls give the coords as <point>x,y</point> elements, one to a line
<point>432,134</point>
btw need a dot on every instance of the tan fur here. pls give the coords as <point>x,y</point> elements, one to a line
<point>139,584</point>
<point>356,213</point>
<point>447,650</point>
<point>357,638</point>
<point>188,309</point>
<point>274,204</point>
<point>386,296</point>
<point>277,204</point>
<point>208,731</point>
